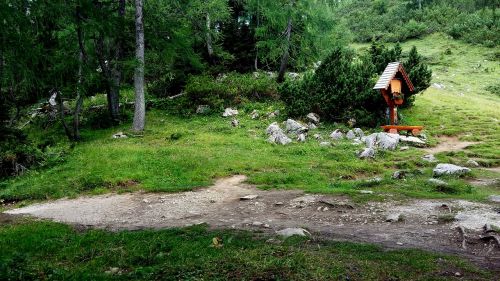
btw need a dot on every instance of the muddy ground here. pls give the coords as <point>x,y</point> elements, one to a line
<point>423,224</point>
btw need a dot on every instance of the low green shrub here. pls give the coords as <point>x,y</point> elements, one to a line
<point>230,89</point>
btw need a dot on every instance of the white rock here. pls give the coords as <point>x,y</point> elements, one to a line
<point>350,135</point>
<point>273,129</point>
<point>279,138</point>
<point>371,140</point>
<point>366,192</point>
<point>359,133</point>
<point>404,148</point>
<point>429,158</point>
<point>450,169</point>
<point>472,163</point>
<point>313,117</point>
<point>228,112</point>
<point>337,135</point>
<point>317,136</point>
<point>254,114</point>
<point>393,217</point>
<point>235,122</point>
<point>325,144</point>
<point>288,232</point>
<point>249,197</point>
<point>412,140</point>
<point>301,138</point>
<point>292,126</point>
<point>494,198</point>
<point>368,152</point>
<point>387,141</point>
<point>312,126</point>
<point>119,135</point>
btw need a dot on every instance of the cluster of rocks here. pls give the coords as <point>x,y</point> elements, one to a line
<point>294,129</point>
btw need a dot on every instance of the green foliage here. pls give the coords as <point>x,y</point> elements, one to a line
<point>338,91</point>
<point>230,89</point>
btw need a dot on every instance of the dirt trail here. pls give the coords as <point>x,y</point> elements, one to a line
<point>447,143</point>
<point>330,217</point>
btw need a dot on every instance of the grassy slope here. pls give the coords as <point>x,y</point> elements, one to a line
<point>49,251</point>
<point>209,147</point>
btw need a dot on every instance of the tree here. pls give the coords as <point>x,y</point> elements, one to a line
<point>140,107</point>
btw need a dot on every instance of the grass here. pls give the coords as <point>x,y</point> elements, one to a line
<point>51,251</point>
<point>181,153</point>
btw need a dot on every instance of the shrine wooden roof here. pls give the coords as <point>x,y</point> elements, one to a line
<point>389,73</point>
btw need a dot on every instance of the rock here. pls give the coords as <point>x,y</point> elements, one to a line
<point>450,169</point>
<point>228,112</point>
<point>292,126</point>
<point>203,109</point>
<point>235,122</point>
<point>313,117</point>
<point>387,141</point>
<point>472,163</point>
<point>52,99</point>
<point>293,75</point>
<point>317,136</point>
<point>357,141</point>
<point>404,148</point>
<point>256,74</point>
<point>325,144</point>
<point>350,135</point>
<point>112,270</point>
<point>301,138</point>
<point>368,152</point>
<point>359,133</point>
<point>371,140</point>
<point>273,129</point>
<point>414,141</point>
<point>494,198</point>
<point>399,175</point>
<point>249,197</point>
<point>288,232</point>
<point>375,180</point>
<point>366,192</point>
<point>257,223</point>
<point>337,135</point>
<point>393,217</point>
<point>438,183</point>
<point>254,114</point>
<point>312,126</point>
<point>273,114</point>
<point>280,138</point>
<point>429,158</point>
<point>119,135</point>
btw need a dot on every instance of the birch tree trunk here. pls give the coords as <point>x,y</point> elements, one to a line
<point>210,48</point>
<point>286,53</point>
<point>140,107</point>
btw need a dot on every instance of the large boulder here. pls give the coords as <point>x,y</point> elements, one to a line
<point>337,135</point>
<point>359,133</point>
<point>387,141</point>
<point>276,134</point>
<point>294,127</point>
<point>228,112</point>
<point>450,169</point>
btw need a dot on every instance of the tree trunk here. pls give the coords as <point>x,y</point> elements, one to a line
<point>79,100</point>
<point>286,54</point>
<point>116,71</point>
<point>210,48</point>
<point>420,4</point>
<point>140,107</point>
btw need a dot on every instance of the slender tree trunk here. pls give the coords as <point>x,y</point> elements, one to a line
<point>286,54</point>
<point>210,48</point>
<point>140,107</point>
<point>256,61</point>
<point>420,4</point>
<point>79,100</point>
<point>116,70</point>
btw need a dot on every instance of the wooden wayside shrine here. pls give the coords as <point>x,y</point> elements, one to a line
<point>393,84</point>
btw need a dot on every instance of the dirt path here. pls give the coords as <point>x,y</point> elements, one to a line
<point>447,143</point>
<point>423,223</point>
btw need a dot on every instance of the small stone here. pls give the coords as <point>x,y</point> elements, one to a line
<point>249,197</point>
<point>325,209</point>
<point>325,144</point>
<point>254,114</point>
<point>438,183</point>
<point>288,232</point>
<point>472,163</point>
<point>266,225</point>
<point>235,123</point>
<point>120,135</point>
<point>112,270</point>
<point>429,158</point>
<point>393,217</point>
<point>458,274</point>
<point>404,148</point>
<point>317,136</point>
<point>301,138</point>
<point>145,201</point>
<point>494,198</point>
<point>399,243</point>
<point>411,140</point>
<point>337,135</point>
<point>359,133</point>
<point>228,112</point>
<point>350,135</point>
<point>203,109</point>
<point>313,117</point>
<point>368,152</point>
<point>257,223</point>
<point>278,203</point>
<point>366,192</point>
<point>398,175</point>
<point>312,126</point>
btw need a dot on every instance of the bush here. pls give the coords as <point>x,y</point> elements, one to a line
<point>230,89</point>
<point>339,90</point>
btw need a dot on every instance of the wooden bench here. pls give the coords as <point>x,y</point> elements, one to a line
<point>394,129</point>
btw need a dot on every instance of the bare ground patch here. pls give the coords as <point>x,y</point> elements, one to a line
<point>425,224</point>
<point>448,143</point>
